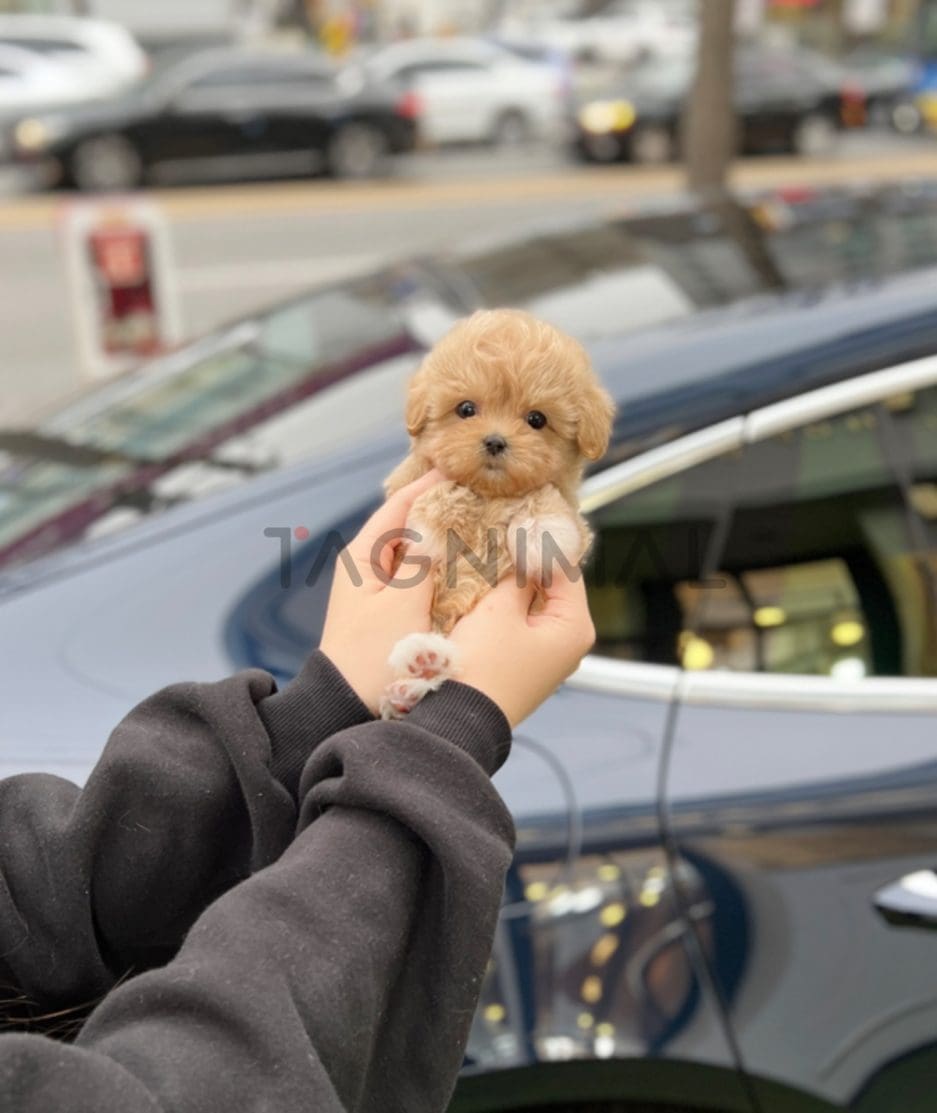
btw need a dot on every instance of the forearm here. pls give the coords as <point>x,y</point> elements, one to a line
<point>344,976</point>
<point>194,792</point>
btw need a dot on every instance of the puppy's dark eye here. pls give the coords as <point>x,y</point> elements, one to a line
<point>466,409</point>
<point>536,420</point>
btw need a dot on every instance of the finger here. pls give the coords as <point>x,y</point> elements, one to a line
<point>565,594</point>
<point>383,531</point>
<point>511,597</point>
<point>395,510</point>
<point>414,573</point>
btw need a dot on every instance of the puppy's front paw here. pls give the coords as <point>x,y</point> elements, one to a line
<point>537,544</point>
<point>400,698</point>
<point>424,657</point>
<point>422,663</point>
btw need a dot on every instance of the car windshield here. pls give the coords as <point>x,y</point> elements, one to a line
<point>663,76</point>
<point>180,426</point>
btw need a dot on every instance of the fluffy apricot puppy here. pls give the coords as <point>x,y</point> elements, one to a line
<point>508,409</point>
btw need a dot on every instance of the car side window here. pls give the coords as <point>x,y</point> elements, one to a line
<point>260,76</point>
<point>45,46</point>
<point>439,66</point>
<point>651,548</point>
<point>828,561</point>
<point>215,78</point>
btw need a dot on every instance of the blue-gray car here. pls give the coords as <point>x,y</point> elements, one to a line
<point>724,891</point>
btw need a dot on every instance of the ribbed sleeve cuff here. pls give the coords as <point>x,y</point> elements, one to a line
<point>318,703</point>
<point>468,719</point>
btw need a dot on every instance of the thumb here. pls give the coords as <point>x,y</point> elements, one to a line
<point>385,526</point>
<point>511,597</point>
<point>565,600</point>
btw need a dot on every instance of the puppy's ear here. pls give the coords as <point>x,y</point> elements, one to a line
<point>596,410</point>
<point>418,403</point>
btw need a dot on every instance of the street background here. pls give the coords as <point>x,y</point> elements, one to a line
<point>235,246</point>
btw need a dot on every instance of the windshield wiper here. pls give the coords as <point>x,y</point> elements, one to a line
<point>36,446</point>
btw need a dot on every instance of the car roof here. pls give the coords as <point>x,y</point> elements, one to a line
<point>666,381</point>
<point>686,374</point>
<point>217,57</point>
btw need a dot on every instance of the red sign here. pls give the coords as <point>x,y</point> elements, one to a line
<point>129,314</point>
<point>121,280</point>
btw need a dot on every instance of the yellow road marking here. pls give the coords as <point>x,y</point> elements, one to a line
<point>272,199</point>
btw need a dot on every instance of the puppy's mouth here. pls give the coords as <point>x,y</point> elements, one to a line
<point>496,477</point>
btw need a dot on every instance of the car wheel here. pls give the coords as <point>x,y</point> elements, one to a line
<point>814,135</point>
<point>106,163</point>
<point>652,145</point>
<point>357,151</point>
<point>600,148</point>
<point>511,129</point>
<point>906,118</point>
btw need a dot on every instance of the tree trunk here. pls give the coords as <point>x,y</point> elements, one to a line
<point>709,128</point>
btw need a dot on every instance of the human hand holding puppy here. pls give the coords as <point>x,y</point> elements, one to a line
<point>514,657</point>
<point>367,613</point>
<point>517,657</point>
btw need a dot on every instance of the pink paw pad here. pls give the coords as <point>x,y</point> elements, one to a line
<point>428,664</point>
<point>420,663</point>
<point>401,697</point>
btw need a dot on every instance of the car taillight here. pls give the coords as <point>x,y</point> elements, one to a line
<point>410,106</point>
<point>796,195</point>
<point>852,105</point>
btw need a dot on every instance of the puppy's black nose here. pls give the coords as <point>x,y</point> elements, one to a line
<point>495,445</point>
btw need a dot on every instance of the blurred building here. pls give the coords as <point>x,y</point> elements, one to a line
<point>166,21</point>
<point>385,19</point>
<point>430,17</point>
<point>827,23</point>
<point>835,23</point>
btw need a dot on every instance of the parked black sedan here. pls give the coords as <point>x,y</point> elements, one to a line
<point>221,113</point>
<point>786,99</point>
<point>726,820</point>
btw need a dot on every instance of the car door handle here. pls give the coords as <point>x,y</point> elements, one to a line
<point>910,902</point>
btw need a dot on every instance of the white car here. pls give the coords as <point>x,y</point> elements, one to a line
<point>99,57</point>
<point>469,90</point>
<point>623,31</point>
<point>29,83</point>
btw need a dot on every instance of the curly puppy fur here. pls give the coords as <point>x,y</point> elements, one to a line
<point>515,507</point>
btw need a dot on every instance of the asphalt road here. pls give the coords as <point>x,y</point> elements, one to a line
<point>238,247</point>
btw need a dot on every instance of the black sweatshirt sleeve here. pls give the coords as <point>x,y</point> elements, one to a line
<point>194,792</point>
<point>342,977</point>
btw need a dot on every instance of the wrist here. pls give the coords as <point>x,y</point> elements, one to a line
<point>318,703</point>
<point>495,687</point>
<point>467,718</point>
<point>348,665</point>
